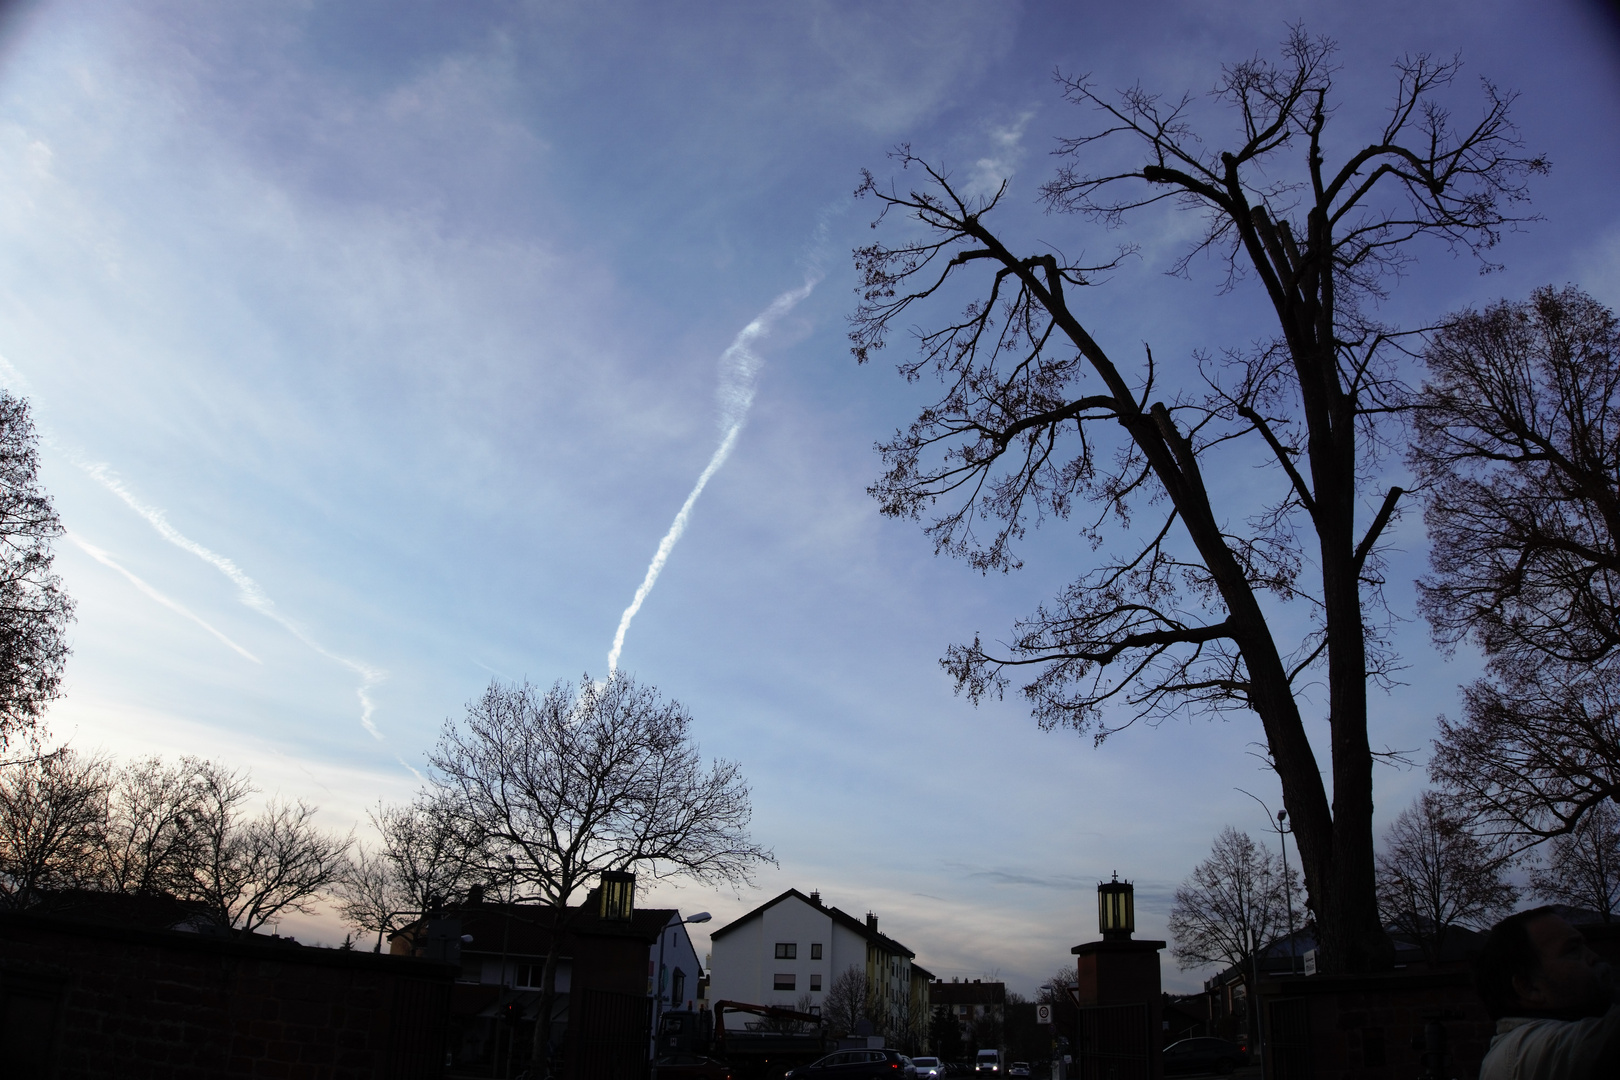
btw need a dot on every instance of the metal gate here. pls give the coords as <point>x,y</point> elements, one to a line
<point>1115,1043</point>
<point>608,1039</point>
<point>1288,1038</point>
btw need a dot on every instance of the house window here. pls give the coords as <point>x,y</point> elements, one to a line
<point>815,951</point>
<point>815,1010</point>
<point>677,988</point>
<point>529,974</point>
<point>784,981</point>
<point>787,950</point>
<point>815,982</point>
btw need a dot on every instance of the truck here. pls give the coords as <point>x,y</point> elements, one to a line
<point>762,1049</point>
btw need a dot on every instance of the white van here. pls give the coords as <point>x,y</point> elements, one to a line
<point>987,1061</point>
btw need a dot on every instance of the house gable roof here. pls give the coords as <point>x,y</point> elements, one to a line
<point>843,918</point>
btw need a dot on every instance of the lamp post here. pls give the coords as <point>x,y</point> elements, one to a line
<point>702,916</point>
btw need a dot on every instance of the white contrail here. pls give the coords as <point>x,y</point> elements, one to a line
<point>739,367</point>
<point>248,590</point>
<point>105,559</point>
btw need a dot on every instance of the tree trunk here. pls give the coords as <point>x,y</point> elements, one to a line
<point>540,1064</point>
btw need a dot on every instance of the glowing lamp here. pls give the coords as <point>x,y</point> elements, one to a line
<point>618,893</point>
<point>1116,909</point>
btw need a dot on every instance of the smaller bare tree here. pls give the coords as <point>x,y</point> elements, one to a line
<point>423,857</point>
<point>1583,866</point>
<point>1435,874</point>
<point>1232,905</point>
<point>846,1002</point>
<point>151,831</point>
<point>52,812</point>
<point>250,871</point>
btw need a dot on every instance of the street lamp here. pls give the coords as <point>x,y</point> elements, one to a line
<point>702,916</point>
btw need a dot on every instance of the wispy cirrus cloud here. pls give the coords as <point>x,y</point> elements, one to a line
<point>101,556</point>
<point>248,590</point>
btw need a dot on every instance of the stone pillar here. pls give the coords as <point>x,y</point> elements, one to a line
<point>1112,974</point>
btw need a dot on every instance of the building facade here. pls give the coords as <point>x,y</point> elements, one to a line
<point>789,950</point>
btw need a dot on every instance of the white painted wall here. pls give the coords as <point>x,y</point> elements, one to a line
<point>678,955</point>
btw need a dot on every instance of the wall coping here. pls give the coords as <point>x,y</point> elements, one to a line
<point>16,924</point>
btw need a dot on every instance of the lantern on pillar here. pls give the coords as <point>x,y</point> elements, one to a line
<point>618,895</point>
<point>1116,909</point>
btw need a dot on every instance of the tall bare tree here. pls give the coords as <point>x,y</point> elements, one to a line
<point>1583,865</point>
<point>1518,448</point>
<point>1038,416</point>
<point>53,809</point>
<point>577,780</point>
<point>1435,874</point>
<point>34,610</point>
<point>1231,906</point>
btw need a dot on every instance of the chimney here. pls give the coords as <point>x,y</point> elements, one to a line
<point>475,894</point>
<point>815,897</point>
<point>871,922</point>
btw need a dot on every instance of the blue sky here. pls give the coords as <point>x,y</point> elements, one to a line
<point>376,345</point>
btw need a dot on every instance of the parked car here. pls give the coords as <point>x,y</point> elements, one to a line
<point>689,1067</point>
<point>1202,1055</point>
<point>928,1068</point>
<point>857,1065</point>
<point>1018,1068</point>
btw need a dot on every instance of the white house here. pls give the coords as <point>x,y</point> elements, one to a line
<point>788,951</point>
<point>672,968</point>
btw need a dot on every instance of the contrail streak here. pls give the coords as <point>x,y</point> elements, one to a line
<point>248,590</point>
<point>105,559</point>
<point>739,367</point>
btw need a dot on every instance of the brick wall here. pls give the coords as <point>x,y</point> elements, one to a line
<point>82,1000</point>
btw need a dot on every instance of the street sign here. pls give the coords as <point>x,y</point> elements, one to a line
<point>1043,1014</point>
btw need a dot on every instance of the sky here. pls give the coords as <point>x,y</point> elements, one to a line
<point>376,349</point>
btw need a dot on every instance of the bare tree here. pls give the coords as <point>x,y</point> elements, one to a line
<point>151,831</point>
<point>1583,865</point>
<point>1232,905</point>
<point>34,611</point>
<point>847,1002</point>
<point>247,872</point>
<point>52,812</point>
<point>1532,753</point>
<point>1518,447</point>
<point>423,859</point>
<point>575,781</point>
<point>1435,874</point>
<point>1038,417</point>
